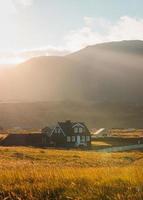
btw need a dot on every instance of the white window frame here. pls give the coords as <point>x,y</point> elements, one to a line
<point>76,130</point>
<point>83,138</point>
<point>88,138</point>
<point>80,130</point>
<point>68,138</point>
<point>73,138</point>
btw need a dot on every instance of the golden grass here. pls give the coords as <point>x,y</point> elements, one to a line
<point>100,144</point>
<point>127,134</point>
<point>41,174</point>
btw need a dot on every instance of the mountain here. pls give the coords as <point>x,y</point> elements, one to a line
<point>104,72</point>
<point>108,74</point>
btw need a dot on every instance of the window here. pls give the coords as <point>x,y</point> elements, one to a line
<point>68,139</point>
<point>73,138</point>
<point>76,129</point>
<point>83,138</point>
<point>88,138</point>
<point>80,130</point>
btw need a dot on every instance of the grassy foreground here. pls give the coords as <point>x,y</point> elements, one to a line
<point>37,174</point>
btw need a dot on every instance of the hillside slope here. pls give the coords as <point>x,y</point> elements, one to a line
<point>104,72</point>
<point>41,114</point>
<point>106,77</point>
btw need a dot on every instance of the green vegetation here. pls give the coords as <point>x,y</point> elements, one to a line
<point>101,143</point>
<point>41,174</point>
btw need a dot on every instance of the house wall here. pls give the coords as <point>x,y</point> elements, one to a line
<point>62,141</point>
<point>34,140</point>
<point>58,140</point>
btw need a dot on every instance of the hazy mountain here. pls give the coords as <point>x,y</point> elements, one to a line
<point>109,73</point>
<point>104,72</point>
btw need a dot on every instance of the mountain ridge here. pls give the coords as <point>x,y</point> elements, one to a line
<point>94,74</point>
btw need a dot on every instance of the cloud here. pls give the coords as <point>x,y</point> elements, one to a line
<point>44,51</point>
<point>93,31</point>
<point>6,8</point>
<point>9,7</point>
<point>101,30</point>
<point>127,28</point>
<point>21,56</point>
<point>24,2</point>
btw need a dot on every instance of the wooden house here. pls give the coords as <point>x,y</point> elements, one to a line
<point>67,134</point>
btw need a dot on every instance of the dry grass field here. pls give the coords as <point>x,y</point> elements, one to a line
<point>127,133</point>
<point>42,174</point>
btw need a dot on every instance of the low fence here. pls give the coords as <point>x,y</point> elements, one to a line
<point>123,148</point>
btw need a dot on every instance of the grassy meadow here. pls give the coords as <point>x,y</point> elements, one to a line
<point>41,174</point>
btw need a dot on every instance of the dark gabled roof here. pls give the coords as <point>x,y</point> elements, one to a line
<point>68,129</point>
<point>47,130</point>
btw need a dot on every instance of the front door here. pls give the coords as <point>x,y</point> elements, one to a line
<point>78,140</point>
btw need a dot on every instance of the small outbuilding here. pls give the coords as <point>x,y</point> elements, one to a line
<point>101,133</point>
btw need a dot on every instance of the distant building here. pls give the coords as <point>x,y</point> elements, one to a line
<point>101,133</point>
<point>67,134</point>
<point>46,133</point>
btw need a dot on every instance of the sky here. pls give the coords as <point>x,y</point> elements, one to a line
<point>30,28</point>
